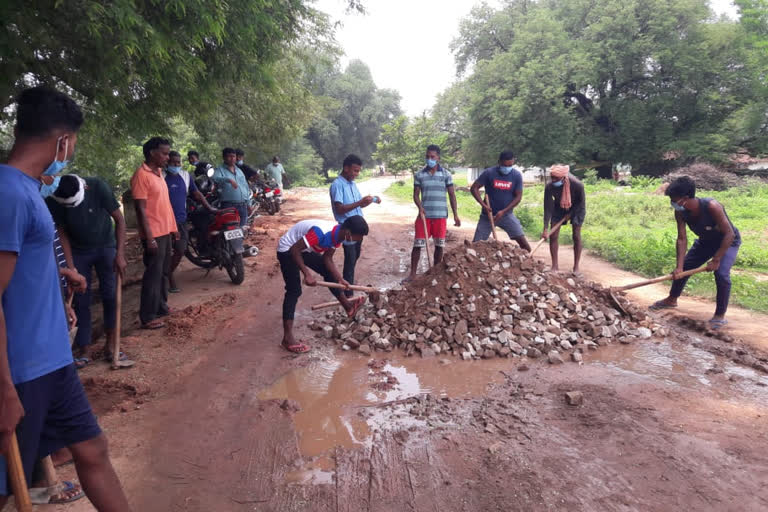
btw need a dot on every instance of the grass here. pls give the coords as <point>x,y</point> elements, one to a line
<point>635,229</point>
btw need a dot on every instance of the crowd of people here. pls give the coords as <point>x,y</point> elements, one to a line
<point>60,229</point>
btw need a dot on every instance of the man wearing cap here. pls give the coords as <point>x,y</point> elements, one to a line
<point>503,185</point>
<point>564,195</point>
<point>83,210</point>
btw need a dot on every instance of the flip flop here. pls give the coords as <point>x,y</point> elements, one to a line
<point>175,289</point>
<point>717,324</point>
<point>81,362</point>
<point>43,497</point>
<point>407,280</point>
<point>659,305</point>
<point>356,305</point>
<point>121,357</point>
<point>154,324</point>
<point>298,348</point>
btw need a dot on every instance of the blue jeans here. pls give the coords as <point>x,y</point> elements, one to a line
<point>699,254</point>
<point>103,260</point>
<point>242,210</point>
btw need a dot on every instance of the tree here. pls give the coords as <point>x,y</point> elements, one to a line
<point>577,80</point>
<point>354,110</point>
<point>403,143</point>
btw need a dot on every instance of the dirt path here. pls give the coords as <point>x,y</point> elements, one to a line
<point>216,417</point>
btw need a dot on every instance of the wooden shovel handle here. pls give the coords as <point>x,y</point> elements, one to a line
<point>18,480</point>
<point>490,216</point>
<point>324,305</point>
<point>367,289</point>
<point>557,225</point>
<point>660,279</point>
<point>426,239</point>
<point>118,315</point>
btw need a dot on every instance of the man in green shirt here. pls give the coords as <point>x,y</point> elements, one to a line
<point>275,171</point>
<point>83,210</point>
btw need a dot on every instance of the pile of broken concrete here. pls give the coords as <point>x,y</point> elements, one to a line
<point>486,300</point>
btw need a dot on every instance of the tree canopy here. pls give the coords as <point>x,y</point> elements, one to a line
<point>626,80</point>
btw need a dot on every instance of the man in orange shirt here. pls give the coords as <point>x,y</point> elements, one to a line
<point>157,226</point>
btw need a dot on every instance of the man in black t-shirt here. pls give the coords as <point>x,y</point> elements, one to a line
<point>249,172</point>
<point>83,210</point>
<point>200,167</point>
<point>564,195</point>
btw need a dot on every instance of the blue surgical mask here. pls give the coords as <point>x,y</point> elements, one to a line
<point>174,169</point>
<point>56,167</point>
<point>239,162</point>
<point>505,170</point>
<point>677,207</point>
<point>558,183</point>
<point>47,190</point>
<point>431,163</point>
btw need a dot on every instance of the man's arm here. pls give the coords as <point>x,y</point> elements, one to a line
<point>120,262</point>
<point>475,191</point>
<point>296,250</point>
<point>681,246</point>
<point>11,410</point>
<point>76,281</point>
<point>549,207</point>
<point>141,215</point>
<point>454,205</point>
<point>718,213</point>
<point>220,179</point>
<point>417,199</point>
<point>200,198</point>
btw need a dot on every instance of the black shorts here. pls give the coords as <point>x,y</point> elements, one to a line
<point>56,414</point>
<point>577,217</point>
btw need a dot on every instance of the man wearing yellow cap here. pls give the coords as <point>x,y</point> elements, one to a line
<point>564,195</point>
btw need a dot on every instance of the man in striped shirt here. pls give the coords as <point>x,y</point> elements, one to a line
<point>429,188</point>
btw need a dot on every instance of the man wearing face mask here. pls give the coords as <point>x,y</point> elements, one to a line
<point>564,195</point>
<point>84,210</point>
<point>180,186</point>
<point>38,380</point>
<point>249,172</point>
<point>232,186</point>
<point>503,185</point>
<point>50,184</point>
<point>718,242</point>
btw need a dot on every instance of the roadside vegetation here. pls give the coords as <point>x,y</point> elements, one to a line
<point>634,228</point>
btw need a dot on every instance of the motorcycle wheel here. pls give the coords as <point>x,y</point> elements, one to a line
<point>236,269</point>
<point>192,254</point>
<point>271,209</point>
<point>277,206</point>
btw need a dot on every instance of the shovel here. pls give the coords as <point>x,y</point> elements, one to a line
<point>373,292</point>
<point>72,330</point>
<point>116,362</point>
<point>667,277</point>
<point>554,228</point>
<point>18,480</point>
<point>426,239</point>
<point>490,217</point>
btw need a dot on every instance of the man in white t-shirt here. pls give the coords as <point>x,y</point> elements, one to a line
<point>310,244</point>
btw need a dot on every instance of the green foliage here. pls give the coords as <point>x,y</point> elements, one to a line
<point>636,230</point>
<point>648,183</point>
<point>590,177</point>
<point>354,110</point>
<point>623,80</point>
<point>403,143</point>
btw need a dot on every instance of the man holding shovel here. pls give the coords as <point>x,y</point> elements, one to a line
<point>718,243</point>
<point>42,401</point>
<point>564,197</point>
<point>503,186</point>
<point>310,244</point>
<point>430,186</point>
<point>84,210</point>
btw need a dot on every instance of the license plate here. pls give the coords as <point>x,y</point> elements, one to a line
<point>232,234</point>
<point>269,194</point>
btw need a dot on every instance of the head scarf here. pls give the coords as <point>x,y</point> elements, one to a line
<point>74,200</point>
<point>560,172</point>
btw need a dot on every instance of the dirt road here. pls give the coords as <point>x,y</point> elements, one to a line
<point>216,417</point>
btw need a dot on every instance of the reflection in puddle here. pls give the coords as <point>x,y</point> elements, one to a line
<point>331,393</point>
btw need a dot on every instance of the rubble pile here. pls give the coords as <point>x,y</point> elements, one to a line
<point>486,300</point>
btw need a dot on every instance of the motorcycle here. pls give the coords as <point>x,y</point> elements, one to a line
<point>273,197</point>
<point>215,238</point>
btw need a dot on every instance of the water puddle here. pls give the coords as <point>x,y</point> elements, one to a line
<point>331,393</point>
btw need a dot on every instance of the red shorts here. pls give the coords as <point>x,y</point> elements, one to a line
<point>436,229</point>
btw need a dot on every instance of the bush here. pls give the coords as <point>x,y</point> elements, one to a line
<point>590,177</point>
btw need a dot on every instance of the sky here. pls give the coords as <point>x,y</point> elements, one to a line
<point>406,43</point>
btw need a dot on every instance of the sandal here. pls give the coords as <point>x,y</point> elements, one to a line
<point>174,289</point>
<point>660,304</point>
<point>298,348</point>
<point>120,357</point>
<point>356,305</point>
<point>154,324</point>
<point>68,493</point>
<point>81,362</point>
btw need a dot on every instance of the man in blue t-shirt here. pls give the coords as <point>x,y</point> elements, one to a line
<point>180,186</point>
<point>346,202</point>
<point>503,185</point>
<point>41,398</point>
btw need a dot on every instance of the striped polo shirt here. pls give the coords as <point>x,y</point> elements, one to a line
<point>433,191</point>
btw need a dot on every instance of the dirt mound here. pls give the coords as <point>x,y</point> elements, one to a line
<point>490,299</point>
<point>707,176</point>
<point>179,326</point>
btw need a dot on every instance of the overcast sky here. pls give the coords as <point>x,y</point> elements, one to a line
<point>405,43</point>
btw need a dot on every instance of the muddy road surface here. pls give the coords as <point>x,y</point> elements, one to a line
<point>217,417</point>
